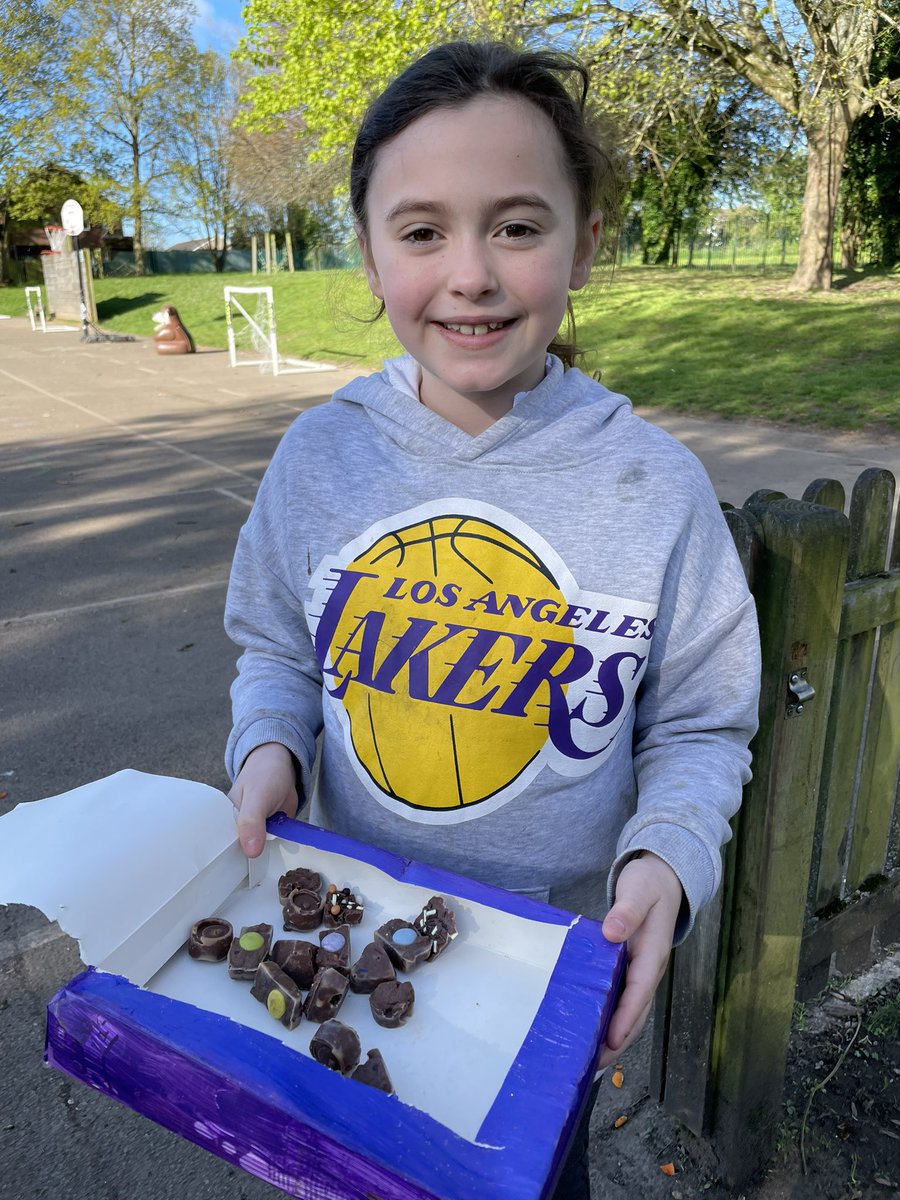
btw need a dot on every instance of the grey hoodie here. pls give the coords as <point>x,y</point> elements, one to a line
<point>532,652</point>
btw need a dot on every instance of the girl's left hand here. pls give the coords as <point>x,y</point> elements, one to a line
<point>648,900</point>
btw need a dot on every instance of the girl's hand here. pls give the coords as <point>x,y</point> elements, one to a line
<point>265,785</point>
<point>648,899</point>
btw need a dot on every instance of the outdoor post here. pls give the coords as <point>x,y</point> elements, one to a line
<point>799,593</point>
<point>254,252</point>
<point>72,216</point>
<point>289,250</point>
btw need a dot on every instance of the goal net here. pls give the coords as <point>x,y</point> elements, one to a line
<point>250,322</point>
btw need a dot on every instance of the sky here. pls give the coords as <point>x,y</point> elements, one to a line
<point>218,26</point>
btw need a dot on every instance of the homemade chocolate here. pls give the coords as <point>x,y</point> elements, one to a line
<point>336,1046</point>
<point>210,939</point>
<point>302,911</point>
<point>342,907</point>
<point>392,1003</point>
<point>299,879</point>
<point>371,968</point>
<point>374,1073</point>
<point>334,949</point>
<point>438,923</point>
<point>297,959</point>
<point>403,943</point>
<point>326,995</point>
<point>248,951</point>
<point>278,992</point>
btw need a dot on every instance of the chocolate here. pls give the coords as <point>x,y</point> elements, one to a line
<point>403,943</point>
<point>298,880</point>
<point>334,949</point>
<point>342,907</point>
<point>336,1046</point>
<point>297,959</point>
<point>371,968</point>
<point>248,951</point>
<point>438,923</point>
<point>392,1003</point>
<point>326,995</point>
<point>210,939</point>
<point>302,911</point>
<point>374,1073</point>
<point>278,992</point>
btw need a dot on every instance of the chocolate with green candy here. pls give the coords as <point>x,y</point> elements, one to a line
<point>278,992</point>
<point>248,951</point>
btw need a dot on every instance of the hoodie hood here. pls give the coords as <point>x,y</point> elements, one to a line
<point>567,409</point>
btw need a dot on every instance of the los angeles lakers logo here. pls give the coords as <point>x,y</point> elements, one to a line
<point>462,658</point>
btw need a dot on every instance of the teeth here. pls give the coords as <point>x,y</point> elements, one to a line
<point>474,330</point>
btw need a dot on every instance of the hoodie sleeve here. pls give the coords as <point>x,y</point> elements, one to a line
<point>697,711</point>
<point>277,693</point>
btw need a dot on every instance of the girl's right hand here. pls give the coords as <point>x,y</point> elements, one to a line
<point>265,785</point>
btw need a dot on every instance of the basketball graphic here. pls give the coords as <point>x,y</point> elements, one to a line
<point>416,749</point>
<point>460,657</point>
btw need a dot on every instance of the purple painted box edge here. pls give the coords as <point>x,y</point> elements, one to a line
<point>522,1140</point>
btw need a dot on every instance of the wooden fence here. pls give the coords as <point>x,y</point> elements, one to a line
<point>812,873</point>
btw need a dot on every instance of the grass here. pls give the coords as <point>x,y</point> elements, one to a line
<point>736,345</point>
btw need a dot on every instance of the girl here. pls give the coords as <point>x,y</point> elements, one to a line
<point>512,606</point>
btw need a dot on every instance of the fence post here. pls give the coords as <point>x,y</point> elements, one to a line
<point>799,591</point>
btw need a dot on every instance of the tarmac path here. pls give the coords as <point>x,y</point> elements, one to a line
<point>124,479</point>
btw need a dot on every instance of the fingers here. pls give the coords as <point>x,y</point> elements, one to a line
<point>611,1051</point>
<point>265,785</point>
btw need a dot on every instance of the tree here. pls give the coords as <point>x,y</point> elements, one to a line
<point>132,73</point>
<point>32,100</point>
<point>205,172</point>
<point>813,58</point>
<point>38,196</point>
<point>870,190</point>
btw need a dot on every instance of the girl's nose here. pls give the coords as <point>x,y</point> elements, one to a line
<point>471,271</point>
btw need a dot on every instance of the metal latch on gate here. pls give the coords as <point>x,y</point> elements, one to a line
<point>801,692</point>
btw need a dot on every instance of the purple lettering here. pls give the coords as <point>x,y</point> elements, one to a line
<point>597,623</point>
<point>334,609</point>
<point>488,602</point>
<point>395,591</point>
<point>571,616</point>
<point>423,591</point>
<point>517,606</point>
<point>548,668</point>
<point>449,594</point>
<point>544,610</point>
<point>471,660</point>
<point>629,627</point>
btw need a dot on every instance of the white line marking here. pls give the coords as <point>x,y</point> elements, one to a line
<point>148,370</point>
<point>144,437</point>
<point>229,392</point>
<point>100,502</point>
<point>52,613</point>
<point>235,496</point>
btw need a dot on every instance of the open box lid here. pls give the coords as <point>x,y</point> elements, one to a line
<point>73,857</point>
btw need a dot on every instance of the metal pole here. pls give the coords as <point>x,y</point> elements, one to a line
<point>82,301</point>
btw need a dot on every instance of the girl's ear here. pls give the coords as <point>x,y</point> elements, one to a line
<point>585,251</point>
<point>369,263</point>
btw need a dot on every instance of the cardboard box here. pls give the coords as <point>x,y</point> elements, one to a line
<point>491,1071</point>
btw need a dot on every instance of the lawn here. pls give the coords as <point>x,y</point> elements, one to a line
<point>732,344</point>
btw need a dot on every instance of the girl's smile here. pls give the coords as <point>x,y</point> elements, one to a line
<point>473,243</point>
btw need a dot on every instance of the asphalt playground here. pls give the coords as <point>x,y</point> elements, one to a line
<point>124,479</point>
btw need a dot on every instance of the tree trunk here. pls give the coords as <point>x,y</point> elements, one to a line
<point>138,241</point>
<point>827,141</point>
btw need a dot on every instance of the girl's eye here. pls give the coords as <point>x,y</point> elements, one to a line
<point>516,232</point>
<point>419,235</point>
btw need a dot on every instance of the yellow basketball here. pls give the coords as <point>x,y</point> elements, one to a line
<point>435,636</point>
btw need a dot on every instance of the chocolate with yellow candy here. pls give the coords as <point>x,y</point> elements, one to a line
<point>278,993</point>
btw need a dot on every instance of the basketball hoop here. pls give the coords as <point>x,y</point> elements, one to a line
<point>56,236</point>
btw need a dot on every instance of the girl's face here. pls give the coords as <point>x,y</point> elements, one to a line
<point>473,243</point>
